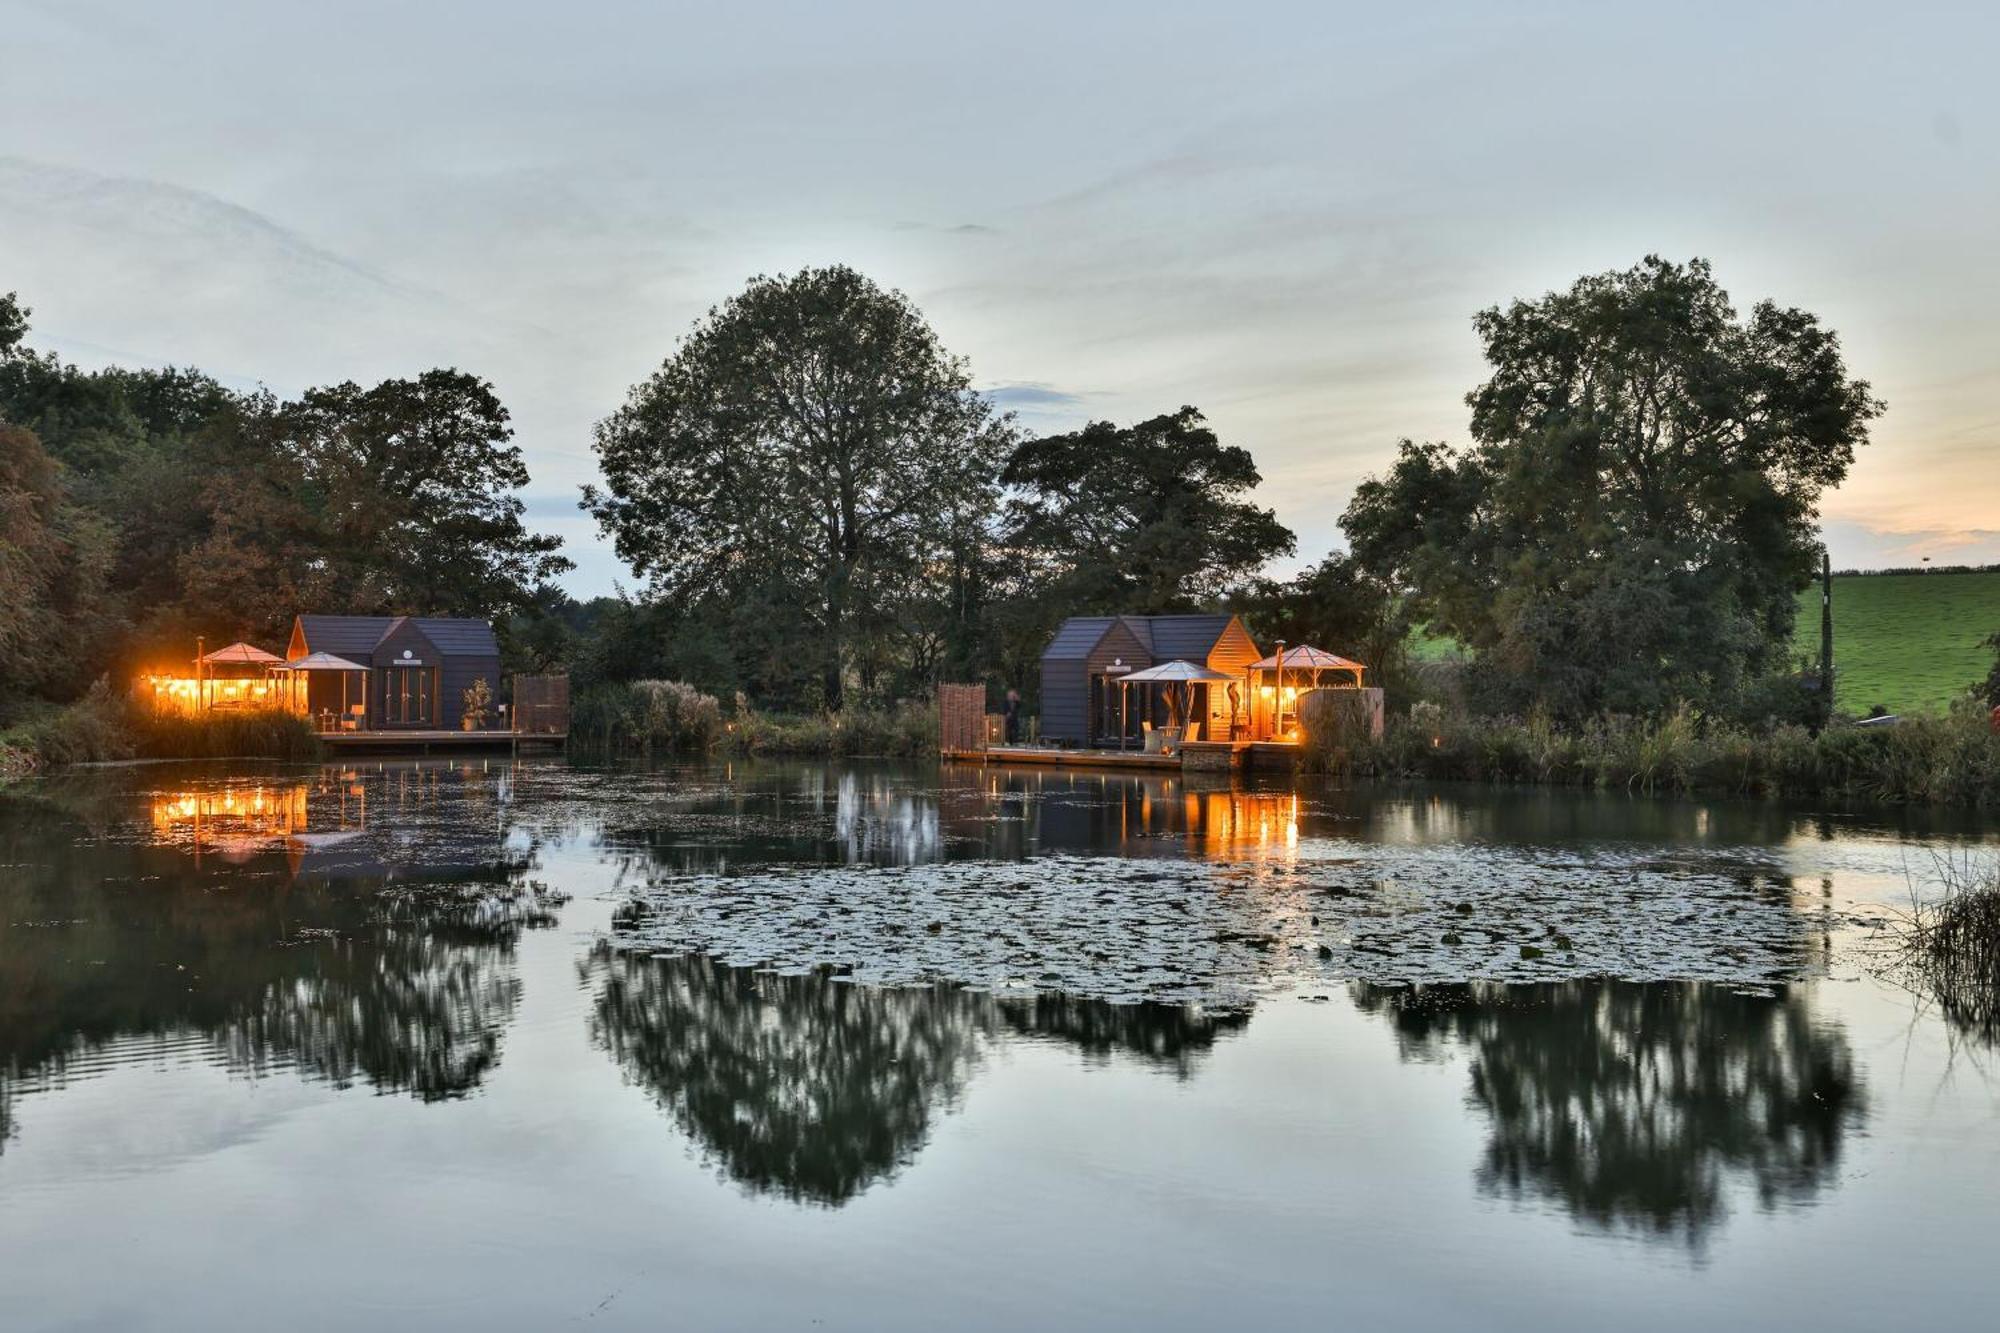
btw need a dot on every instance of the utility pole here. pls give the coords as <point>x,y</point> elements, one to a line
<point>1826,633</point>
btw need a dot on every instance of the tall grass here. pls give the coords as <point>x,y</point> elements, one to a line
<point>104,725</point>
<point>1948,760</point>
<point>268,733</point>
<point>1953,946</point>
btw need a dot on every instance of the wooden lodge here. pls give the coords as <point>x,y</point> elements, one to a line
<point>1178,691</point>
<point>375,681</point>
<point>1086,704</point>
<point>417,670</point>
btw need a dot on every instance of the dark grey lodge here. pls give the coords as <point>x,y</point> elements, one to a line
<point>1083,663</point>
<point>419,668</point>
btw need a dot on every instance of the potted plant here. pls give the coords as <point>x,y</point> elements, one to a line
<point>478,705</point>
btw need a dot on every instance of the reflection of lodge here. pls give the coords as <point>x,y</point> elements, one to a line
<point>238,821</point>
<point>813,1089</point>
<point>374,821</point>
<point>1635,1105</point>
<point>1099,811</point>
<point>877,817</point>
<point>396,967</point>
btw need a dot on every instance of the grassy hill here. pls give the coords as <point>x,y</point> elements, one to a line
<point>1910,642</point>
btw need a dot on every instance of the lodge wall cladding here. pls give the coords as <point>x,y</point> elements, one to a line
<point>449,653</point>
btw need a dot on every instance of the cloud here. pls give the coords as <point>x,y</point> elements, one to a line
<point>1865,546</point>
<point>1033,396</point>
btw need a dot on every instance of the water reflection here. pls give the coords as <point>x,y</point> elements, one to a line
<point>1640,1108</point>
<point>886,815</point>
<point>267,924</point>
<point>813,1089</point>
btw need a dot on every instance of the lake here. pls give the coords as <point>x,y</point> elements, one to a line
<point>499,1044</point>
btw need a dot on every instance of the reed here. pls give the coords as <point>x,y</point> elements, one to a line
<point>1953,945</point>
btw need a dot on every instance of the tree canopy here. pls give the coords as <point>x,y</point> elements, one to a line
<point>1638,508</point>
<point>805,464</point>
<point>1147,519</point>
<point>146,506</point>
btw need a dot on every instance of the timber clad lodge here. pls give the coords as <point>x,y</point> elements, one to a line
<point>1184,691</point>
<point>417,670</point>
<point>380,676</point>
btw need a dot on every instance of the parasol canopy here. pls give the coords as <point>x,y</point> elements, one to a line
<point>1176,673</point>
<point>322,662</point>
<point>242,654</point>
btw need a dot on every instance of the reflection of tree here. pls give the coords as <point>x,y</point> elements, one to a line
<point>1164,1034</point>
<point>1634,1105</point>
<point>813,1088</point>
<point>803,1086</point>
<point>362,974</point>
<point>414,1002</point>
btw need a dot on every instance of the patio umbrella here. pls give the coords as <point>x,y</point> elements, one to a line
<point>1180,677</point>
<point>325,662</point>
<point>321,662</point>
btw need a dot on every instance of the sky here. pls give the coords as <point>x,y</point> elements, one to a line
<point>1285,215</point>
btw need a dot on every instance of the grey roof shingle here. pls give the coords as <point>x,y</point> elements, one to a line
<point>1076,636</point>
<point>345,636</point>
<point>1185,636</point>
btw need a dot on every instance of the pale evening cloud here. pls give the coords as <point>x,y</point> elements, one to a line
<point>1283,214</point>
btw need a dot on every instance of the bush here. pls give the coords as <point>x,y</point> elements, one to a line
<point>650,716</point>
<point>104,725</point>
<point>95,728</point>
<point>908,730</point>
<point>1951,760</point>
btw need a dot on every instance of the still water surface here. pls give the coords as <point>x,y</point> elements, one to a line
<point>401,1045</point>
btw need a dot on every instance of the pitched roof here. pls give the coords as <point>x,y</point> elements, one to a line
<point>1076,636</point>
<point>1185,636</point>
<point>347,636</point>
<point>459,636</point>
<point>1192,637</point>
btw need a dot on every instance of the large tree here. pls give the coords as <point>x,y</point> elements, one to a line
<point>396,499</point>
<point>1149,518</point>
<point>1639,506</point>
<point>54,557</point>
<point>808,446</point>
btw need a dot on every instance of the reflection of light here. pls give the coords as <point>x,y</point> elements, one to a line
<point>242,819</point>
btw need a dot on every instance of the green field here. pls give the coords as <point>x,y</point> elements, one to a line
<point>1910,642</point>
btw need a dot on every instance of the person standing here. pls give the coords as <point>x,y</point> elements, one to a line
<point>1010,713</point>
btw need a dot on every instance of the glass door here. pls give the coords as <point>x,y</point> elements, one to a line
<point>409,696</point>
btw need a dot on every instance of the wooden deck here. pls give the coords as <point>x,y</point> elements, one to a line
<point>1209,756</point>
<point>426,741</point>
<point>1050,755</point>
